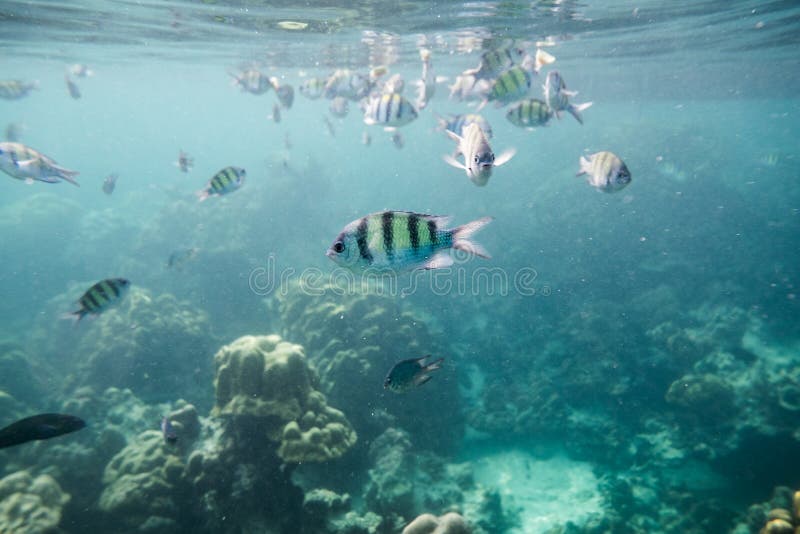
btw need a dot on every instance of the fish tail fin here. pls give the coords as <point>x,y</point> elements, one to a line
<point>434,365</point>
<point>67,175</point>
<point>481,105</point>
<point>74,316</point>
<point>461,235</point>
<point>575,110</point>
<point>201,195</point>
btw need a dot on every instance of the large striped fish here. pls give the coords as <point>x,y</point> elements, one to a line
<point>605,171</point>
<point>24,163</point>
<point>225,181</point>
<point>101,296</point>
<point>401,240</point>
<point>529,113</point>
<point>389,109</point>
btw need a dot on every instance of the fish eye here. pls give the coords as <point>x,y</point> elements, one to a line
<point>476,159</point>
<point>338,247</point>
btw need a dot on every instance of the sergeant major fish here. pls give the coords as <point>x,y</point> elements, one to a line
<point>24,163</point>
<point>252,81</point>
<point>529,113</point>
<point>605,171</point>
<point>402,240</point>
<point>100,297</point>
<point>479,160</point>
<point>557,97</point>
<point>312,88</point>
<point>411,373</point>
<point>389,110</point>
<point>225,181</point>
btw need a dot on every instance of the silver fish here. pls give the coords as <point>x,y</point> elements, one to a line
<point>479,159</point>
<point>25,163</point>
<point>312,88</point>
<point>605,171</point>
<point>557,97</point>
<point>411,373</point>
<point>252,81</point>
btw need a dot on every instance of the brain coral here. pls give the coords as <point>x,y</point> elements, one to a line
<point>30,505</point>
<point>264,383</point>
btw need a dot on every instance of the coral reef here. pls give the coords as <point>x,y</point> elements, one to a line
<point>451,523</point>
<point>30,505</point>
<point>352,341</point>
<point>148,344</point>
<point>264,383</point>
<point>142,483</point>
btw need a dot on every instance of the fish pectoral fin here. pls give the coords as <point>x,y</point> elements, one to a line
<point>439,261</point>
<point>450,160</point>
<point>505,157</point>
<point>454,136</point>
<point>24,163</point>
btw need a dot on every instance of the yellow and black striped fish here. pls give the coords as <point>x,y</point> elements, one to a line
<point>510,85</point>
<point>101,296</point>
<point>529,113</point>
<point>16,89</point>
<point>400,240</point>
<point>389,109</point>
<point>225,181</point>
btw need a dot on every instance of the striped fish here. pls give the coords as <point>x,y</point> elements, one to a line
<point>401,240</point>
<point>458,123</point>
<point>312,88</point>
<point>479,159</point>
<point>25,163</point>
<point>389,109</point>
<point>16,89</point>
<point>252,81</point>
<point>348,84</point>
<point>605,171</point>
<point>225,181</point>
<point>510,85</point>
<point>557,97</point>
<point>529,113</point>
<point>493,62</point>
<point>101,296</point>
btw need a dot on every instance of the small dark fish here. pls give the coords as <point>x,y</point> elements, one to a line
<point>110,183</point>
<point>178,258</point>
<point>72,87</point>
<point>184,163</point>
<point>397,140</point>
<point>170,436</point>
<point>329,125</point>
<point>411,373</point>
<point>276,113</point>
<point>37,427</point>
<point>101,296</point>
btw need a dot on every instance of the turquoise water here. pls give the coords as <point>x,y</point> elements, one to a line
<point>624,362</point>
